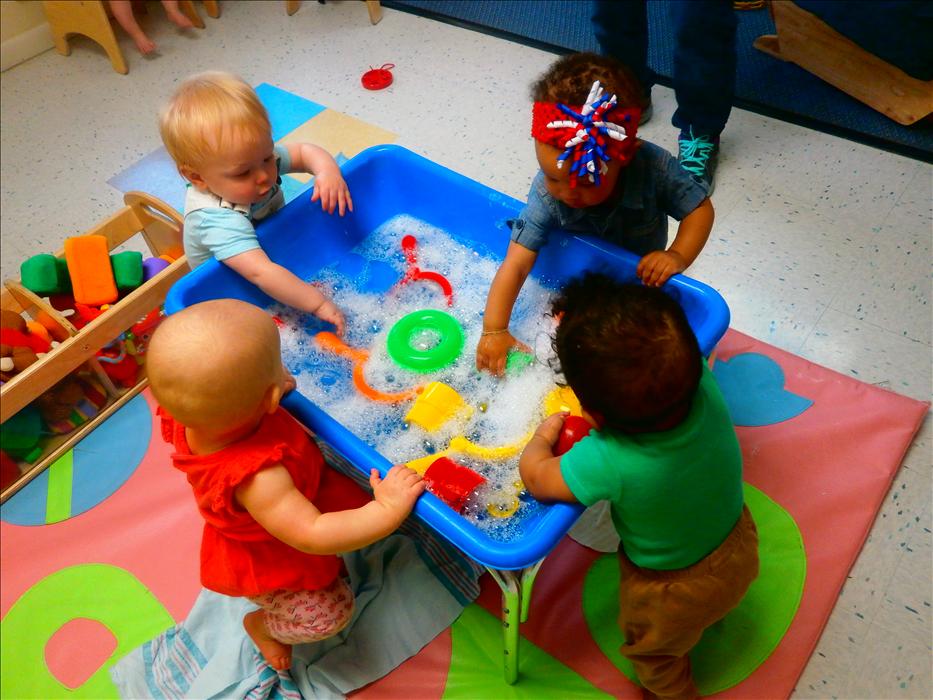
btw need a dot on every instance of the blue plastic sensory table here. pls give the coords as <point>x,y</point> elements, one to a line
<point>387,181</point>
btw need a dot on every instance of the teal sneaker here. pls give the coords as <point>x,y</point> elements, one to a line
<point>699,156</point>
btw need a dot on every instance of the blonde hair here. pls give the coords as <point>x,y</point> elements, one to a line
<point>212,364</point>
<point>209,112</point>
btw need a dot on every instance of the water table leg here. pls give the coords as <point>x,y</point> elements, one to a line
<point>516,596</point>
<point>528,580</point>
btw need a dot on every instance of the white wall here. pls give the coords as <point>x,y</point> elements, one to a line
<point>24,33</point>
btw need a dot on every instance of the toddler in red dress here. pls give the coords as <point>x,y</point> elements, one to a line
<point>275,516</point>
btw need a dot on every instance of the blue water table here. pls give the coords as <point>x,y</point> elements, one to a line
<point>389,181</point>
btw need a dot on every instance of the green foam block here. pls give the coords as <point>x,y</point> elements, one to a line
<point>45,274</point>
<point>127,269</point>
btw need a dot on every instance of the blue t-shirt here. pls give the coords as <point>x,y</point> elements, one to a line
<point>655,186</point>
<point>674,495</point>
<point>218,229</point>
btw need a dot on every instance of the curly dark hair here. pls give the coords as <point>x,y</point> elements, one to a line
<point>627,351</point>
<point>570,78</point>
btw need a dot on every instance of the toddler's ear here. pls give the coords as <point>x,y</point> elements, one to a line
<point>272,398</point>
<point>192,177</point>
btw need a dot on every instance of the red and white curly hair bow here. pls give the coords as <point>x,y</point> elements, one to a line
<point>585,133</point>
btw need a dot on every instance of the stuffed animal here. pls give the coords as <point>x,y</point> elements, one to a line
<point>71,403</point>
<point>18,346</point>
<point>14,360</point>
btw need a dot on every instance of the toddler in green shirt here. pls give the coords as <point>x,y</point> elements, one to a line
<point>665,455</point>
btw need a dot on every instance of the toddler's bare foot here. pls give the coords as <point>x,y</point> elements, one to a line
<point>145,45</point>
<point>276,654</point>
<point>179,19</point>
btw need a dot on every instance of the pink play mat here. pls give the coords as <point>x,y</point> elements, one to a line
<point>81,589</point>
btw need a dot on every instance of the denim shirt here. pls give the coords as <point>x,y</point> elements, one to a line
<point>655,186</point>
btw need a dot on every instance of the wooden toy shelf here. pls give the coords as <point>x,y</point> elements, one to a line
<point>160,227</point>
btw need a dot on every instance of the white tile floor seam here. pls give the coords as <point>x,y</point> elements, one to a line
<point>821,246</point>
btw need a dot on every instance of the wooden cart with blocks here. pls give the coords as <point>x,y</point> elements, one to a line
<point>160,226</point>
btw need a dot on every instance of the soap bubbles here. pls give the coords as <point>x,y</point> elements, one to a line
<point>504,410</point>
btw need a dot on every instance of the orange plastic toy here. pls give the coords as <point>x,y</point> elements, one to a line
<point>88,260</point>
<point>330,342</point>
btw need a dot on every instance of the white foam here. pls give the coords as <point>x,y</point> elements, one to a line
<point>513,405</point>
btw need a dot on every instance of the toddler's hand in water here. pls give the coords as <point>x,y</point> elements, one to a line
<point>656,268</point>
<point>329,312</point>
<point>492,351</point>
<point>399,490</point>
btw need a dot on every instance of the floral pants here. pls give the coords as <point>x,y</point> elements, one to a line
<point>296,617</point>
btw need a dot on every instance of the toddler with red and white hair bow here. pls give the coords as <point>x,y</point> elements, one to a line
<point>597,178</point>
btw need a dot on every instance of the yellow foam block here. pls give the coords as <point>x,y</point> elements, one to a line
<point>436,405</point>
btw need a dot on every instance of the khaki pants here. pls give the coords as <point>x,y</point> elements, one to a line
<point>663,613</point>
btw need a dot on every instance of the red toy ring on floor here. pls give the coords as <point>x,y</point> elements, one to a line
<point>378,78</point>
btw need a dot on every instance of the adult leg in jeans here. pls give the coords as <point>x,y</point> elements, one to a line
<point>621,28</point>
<point>704,81</point>
<point>704,64</point>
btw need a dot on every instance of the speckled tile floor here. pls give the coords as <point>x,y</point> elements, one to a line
<point>821,246</point>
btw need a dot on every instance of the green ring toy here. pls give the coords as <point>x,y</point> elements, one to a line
<point>441,355</point>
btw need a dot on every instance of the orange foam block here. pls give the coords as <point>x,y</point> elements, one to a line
<point>88,261</point>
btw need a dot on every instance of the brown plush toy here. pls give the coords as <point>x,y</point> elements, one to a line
<point>58,402</point>
<point>72,402</point>
<point>14,358</point>
<point>17,347</point>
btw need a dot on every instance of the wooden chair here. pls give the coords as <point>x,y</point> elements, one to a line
<point>372,6</point>
<point>805,39</point>
<point>90,18</point>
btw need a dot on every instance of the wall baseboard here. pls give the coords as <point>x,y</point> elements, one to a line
<point>24,46</point>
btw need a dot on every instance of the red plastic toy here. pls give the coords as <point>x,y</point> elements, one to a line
<point>120,366</point>
<point>575,429</point>
<point>451,482</point>
<point>378,78</point>
<point>415,273</point>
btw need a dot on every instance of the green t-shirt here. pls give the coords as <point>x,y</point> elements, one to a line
<point>674,495</point>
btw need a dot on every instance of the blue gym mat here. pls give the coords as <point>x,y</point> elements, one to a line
<point>763,84</point>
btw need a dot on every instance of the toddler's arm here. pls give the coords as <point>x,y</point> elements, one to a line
<point>496,340</point>
<point>282,285</point>
<point>329,185</point>
<point>272,499</point>
<point>540,469</point>
<point>655,268</point>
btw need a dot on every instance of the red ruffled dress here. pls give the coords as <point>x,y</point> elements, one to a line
<point>238,556</point>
